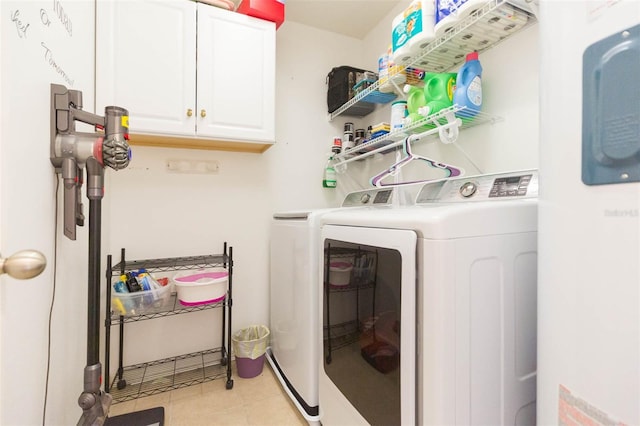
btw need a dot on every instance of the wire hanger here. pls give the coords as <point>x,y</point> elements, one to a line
<point>393,170</point>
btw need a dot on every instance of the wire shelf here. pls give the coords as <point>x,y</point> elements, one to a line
<point>342,334</point>
<point>173,263</point>
<point>482,30</point>
<point>159,376</point>
<point>172,308</point>
<point>391,141</point>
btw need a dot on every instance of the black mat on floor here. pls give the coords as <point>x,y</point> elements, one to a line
<point>150,417</point>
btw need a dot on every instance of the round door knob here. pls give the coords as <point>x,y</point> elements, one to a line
<point>203,113</point>
<point>23,264</point>
<point>189,112</point>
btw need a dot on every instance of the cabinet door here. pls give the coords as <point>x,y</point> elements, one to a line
<point>145,62</point>
<point>236,76</point>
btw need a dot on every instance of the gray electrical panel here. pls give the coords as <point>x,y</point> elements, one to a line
<point>611,109</point>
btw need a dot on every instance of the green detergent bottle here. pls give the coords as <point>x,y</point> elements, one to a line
<point>438,93</point>
<point>415,98</point>
<point>415,101</point>
<point>438,90</point>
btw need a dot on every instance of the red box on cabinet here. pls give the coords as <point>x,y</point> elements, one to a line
<point>270,10</point>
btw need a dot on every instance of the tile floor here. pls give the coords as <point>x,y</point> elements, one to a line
<point>256,401</point>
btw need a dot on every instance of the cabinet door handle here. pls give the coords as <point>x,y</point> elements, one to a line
<point>203,113</point>
<point>189,112</point>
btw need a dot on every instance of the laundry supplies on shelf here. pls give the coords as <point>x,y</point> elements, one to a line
<point>484,24</point>
<point>389,74</point>
<point>468,92</point>
<point>412,28</point>
<point>398,113</point>
<point>340,89</point>
<point>421,25</point>
<point>399,39</point>
<point>436,95</point>
<point>450,12</point>
<point>329,179</point>
<point>438,92</point>
<point>415,101</point>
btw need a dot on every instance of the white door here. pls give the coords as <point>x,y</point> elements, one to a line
<point>42,42</point>
<point>146,60</point>
<point>368,339</point>
<point>236,76</point>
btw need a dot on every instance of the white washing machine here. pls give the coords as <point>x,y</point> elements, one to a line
<point>294,317</point>
<point>437,325</point>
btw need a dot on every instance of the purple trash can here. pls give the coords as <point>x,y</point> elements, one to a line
<point>249,347</point>
<point>248,368</point>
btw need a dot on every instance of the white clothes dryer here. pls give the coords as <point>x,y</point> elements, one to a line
<point>437,326</point>
<point>294,317</point>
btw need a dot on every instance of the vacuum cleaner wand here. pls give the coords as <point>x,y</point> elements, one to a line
<point>71,152</point>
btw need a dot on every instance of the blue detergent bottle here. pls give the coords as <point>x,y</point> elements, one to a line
<point>468,92</point>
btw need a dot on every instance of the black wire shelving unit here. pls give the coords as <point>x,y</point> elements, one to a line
<point>157,376</point>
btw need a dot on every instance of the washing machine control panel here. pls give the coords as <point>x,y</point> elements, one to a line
<point>481,188</point>
<point>510,186</point>
<point>369,197</point>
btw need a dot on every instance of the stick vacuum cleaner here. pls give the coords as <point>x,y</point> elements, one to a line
<point>71,152</point>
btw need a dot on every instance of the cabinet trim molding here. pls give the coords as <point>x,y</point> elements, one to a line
<point>198,143</point>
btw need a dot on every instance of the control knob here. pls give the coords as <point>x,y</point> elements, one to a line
<point>468,189</point>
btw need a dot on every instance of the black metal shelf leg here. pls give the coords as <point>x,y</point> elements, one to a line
<point>229,384</point>
<point>107,326</point>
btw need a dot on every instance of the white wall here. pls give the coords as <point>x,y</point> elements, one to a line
<point>305,56</point>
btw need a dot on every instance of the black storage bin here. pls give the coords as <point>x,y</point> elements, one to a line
<point>340,82</point>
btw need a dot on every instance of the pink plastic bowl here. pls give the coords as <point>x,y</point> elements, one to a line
<point>202,286</point>
<point>203,277</point>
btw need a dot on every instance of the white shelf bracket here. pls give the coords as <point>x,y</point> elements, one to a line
<point>449,134</point>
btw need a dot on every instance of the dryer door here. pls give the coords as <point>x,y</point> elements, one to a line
<point>368,362</point>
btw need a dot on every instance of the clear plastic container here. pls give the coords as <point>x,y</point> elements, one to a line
<point>141,302</point>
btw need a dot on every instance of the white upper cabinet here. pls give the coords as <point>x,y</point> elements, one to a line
<point>145,62</point>
<point>236,75</point>
<point>191,75</point>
